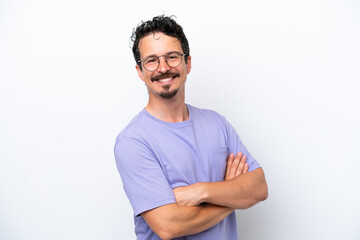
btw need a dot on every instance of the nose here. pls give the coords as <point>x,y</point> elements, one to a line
<point>163,66</point>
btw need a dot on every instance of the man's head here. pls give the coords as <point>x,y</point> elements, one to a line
<point>161,52</point>
<point>166,25</point>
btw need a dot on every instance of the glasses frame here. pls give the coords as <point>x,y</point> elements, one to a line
<point>158,60</point>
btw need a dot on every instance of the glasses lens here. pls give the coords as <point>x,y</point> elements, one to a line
<point>151,63</point>
<point>173,59</point>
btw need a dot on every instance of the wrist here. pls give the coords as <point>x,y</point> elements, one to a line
<point>204,191</point>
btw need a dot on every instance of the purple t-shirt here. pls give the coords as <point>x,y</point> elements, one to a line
<point>154,156</point>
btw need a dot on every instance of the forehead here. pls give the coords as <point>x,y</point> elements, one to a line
<point>158,44</point>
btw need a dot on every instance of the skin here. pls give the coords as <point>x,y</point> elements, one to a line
<point>169,110</point>
<point>194,195</point>
<point>240,188</point>
<point>175,220</point>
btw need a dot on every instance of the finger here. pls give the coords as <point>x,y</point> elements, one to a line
<point>235,165</point>
<point>228,165</point>
<point>244,158</point>
<point>241,166</point>
<point>246,168</point>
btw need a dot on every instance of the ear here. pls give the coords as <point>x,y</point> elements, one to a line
<point>188,65</point>
<point>140,73</point>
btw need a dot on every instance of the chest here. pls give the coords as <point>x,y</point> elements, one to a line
<point>191,154</point>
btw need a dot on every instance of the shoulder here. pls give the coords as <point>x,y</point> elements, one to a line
<point>135,125</point>
<point>132,141</point>
<point>135,130</point>
<point>200,114</point>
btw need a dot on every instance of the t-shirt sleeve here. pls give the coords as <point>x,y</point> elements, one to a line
<point>143,179</point>
<point>235,145</point>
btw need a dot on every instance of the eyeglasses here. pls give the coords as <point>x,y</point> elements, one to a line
<point>172,59</point>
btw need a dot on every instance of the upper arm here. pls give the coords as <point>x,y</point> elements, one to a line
<point>159,219</point>
<point>143,178</point>
<point>235,145</point>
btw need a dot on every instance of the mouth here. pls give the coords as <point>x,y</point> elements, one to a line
<point>165,78</point>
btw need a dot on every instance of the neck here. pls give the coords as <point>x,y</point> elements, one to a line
<point>168,110</point>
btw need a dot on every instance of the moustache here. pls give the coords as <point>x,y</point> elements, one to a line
<point>165,75</point>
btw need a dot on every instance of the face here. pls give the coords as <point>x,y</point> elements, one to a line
<point>165,81</point>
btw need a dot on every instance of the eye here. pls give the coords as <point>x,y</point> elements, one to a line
<point>150,60</point>
<point>172,56</point>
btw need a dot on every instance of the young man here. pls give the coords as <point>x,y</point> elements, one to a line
<point>173,158</point>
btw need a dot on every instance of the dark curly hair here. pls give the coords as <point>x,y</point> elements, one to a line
<point>166,25</point>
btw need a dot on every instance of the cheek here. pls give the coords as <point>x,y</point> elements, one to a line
<point>145,77</point>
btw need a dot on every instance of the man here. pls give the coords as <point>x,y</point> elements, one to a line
<point>172,157</point>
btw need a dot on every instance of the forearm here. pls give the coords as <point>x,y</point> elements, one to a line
<point>190,221</point>
<point>240,192</point>
<point>173,220</point>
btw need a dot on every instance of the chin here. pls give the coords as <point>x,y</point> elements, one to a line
<point>168,94</point>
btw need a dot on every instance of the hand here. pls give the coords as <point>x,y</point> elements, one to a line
<point>235,166</point>
<point>191,195</point>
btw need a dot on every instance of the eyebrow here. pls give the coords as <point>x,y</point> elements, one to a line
<point>153,55</point>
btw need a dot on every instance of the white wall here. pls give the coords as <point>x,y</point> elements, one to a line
<point>284,73</point>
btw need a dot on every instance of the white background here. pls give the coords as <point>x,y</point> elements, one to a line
<point>284,73</point>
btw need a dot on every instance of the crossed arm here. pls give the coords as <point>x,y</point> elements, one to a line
<point>173,220</point>
<point>239,190</point>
